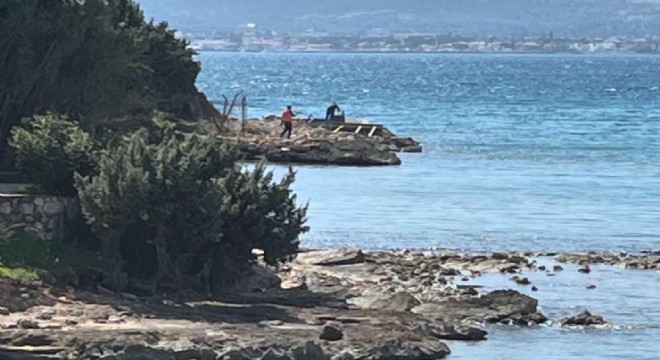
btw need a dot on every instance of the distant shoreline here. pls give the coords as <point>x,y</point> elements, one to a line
<point>614,53</point>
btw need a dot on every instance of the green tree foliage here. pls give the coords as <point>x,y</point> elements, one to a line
<point>175,211</point>
<point>98,61</point>
<point>50,149</point>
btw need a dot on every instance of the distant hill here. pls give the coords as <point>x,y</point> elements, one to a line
<point>463,17</point>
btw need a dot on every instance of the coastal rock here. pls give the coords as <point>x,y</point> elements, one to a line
<point>584,269</point>
<point>396,350</point>
<point>4,311</point>
<point>645,260</point>
<point>509,302</point>
<point>197,354</point>
<point>500,306</point>
<point>412,149</point>
<point>332,257</point>
<point>537,318</point>
<point>331,333</point>
<point>46,315</point>
<point>520,281</point>
<point>24,338</point>
<point>584,319</point>
<point>500,256</point>
<point>27,324</point>
<point>401,142</point>
<point>509,268</point>
<point>401,301</point>
<point>316,145</point>
<point>260,278</point>
<point>461,333</point>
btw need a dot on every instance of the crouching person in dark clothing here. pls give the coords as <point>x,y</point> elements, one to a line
<point>330,111</point>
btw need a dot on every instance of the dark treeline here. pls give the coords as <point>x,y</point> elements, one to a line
<point>99,61</point>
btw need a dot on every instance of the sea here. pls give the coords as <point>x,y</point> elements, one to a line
<point>521,152</point>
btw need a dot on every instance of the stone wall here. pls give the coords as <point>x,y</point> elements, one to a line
<point>48,216</point>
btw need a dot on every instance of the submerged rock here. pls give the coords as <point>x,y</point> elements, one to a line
<point>645,260</point>
<point>521,281</point>
<point>584,269</point>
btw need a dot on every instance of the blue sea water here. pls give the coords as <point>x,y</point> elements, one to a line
<point>521,152</point>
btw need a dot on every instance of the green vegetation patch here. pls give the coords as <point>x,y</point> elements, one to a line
<point>25,257</point>
<point>19,273</point>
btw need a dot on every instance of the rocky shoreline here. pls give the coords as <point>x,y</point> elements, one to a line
<point>316,144</point>
<point>327,304</point>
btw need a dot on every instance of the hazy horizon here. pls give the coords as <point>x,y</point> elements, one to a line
<point>574,18</point>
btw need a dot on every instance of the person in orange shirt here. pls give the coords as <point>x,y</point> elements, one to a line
<point>287,121</point>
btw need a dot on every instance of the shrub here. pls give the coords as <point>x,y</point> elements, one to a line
<point>50,149</point>
<point>175,211</point>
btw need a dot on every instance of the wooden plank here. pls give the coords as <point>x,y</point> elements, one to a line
<point>373,130</point>
<point>358,129</point>
<point>338,129</point>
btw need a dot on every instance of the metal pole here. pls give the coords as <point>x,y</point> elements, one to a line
<point>243,113</point>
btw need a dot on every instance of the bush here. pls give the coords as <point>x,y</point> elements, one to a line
<point>175,211</point>
<point>50,149</point>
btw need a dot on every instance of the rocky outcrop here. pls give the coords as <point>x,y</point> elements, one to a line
<point>585,318</point>
<point>314,145</point>
<point>501,306</point>
<point>345,304</point>
<point>419,283</point>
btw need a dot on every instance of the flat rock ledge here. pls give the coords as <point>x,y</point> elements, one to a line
<point>316,145</point>
<point>328,304</point>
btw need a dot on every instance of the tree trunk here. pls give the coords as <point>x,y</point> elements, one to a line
<point>116,279</point>
<point>161,253</point>
<point>6,154</point>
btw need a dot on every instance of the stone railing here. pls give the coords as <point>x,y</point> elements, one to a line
<point>48,216</point>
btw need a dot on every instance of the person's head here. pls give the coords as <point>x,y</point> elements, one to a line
<point>334,103</point>
<point>288,107</point>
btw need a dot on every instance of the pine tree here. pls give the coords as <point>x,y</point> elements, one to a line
<point>175,211</point>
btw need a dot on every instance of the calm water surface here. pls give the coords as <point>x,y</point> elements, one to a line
<point>554,153</point>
